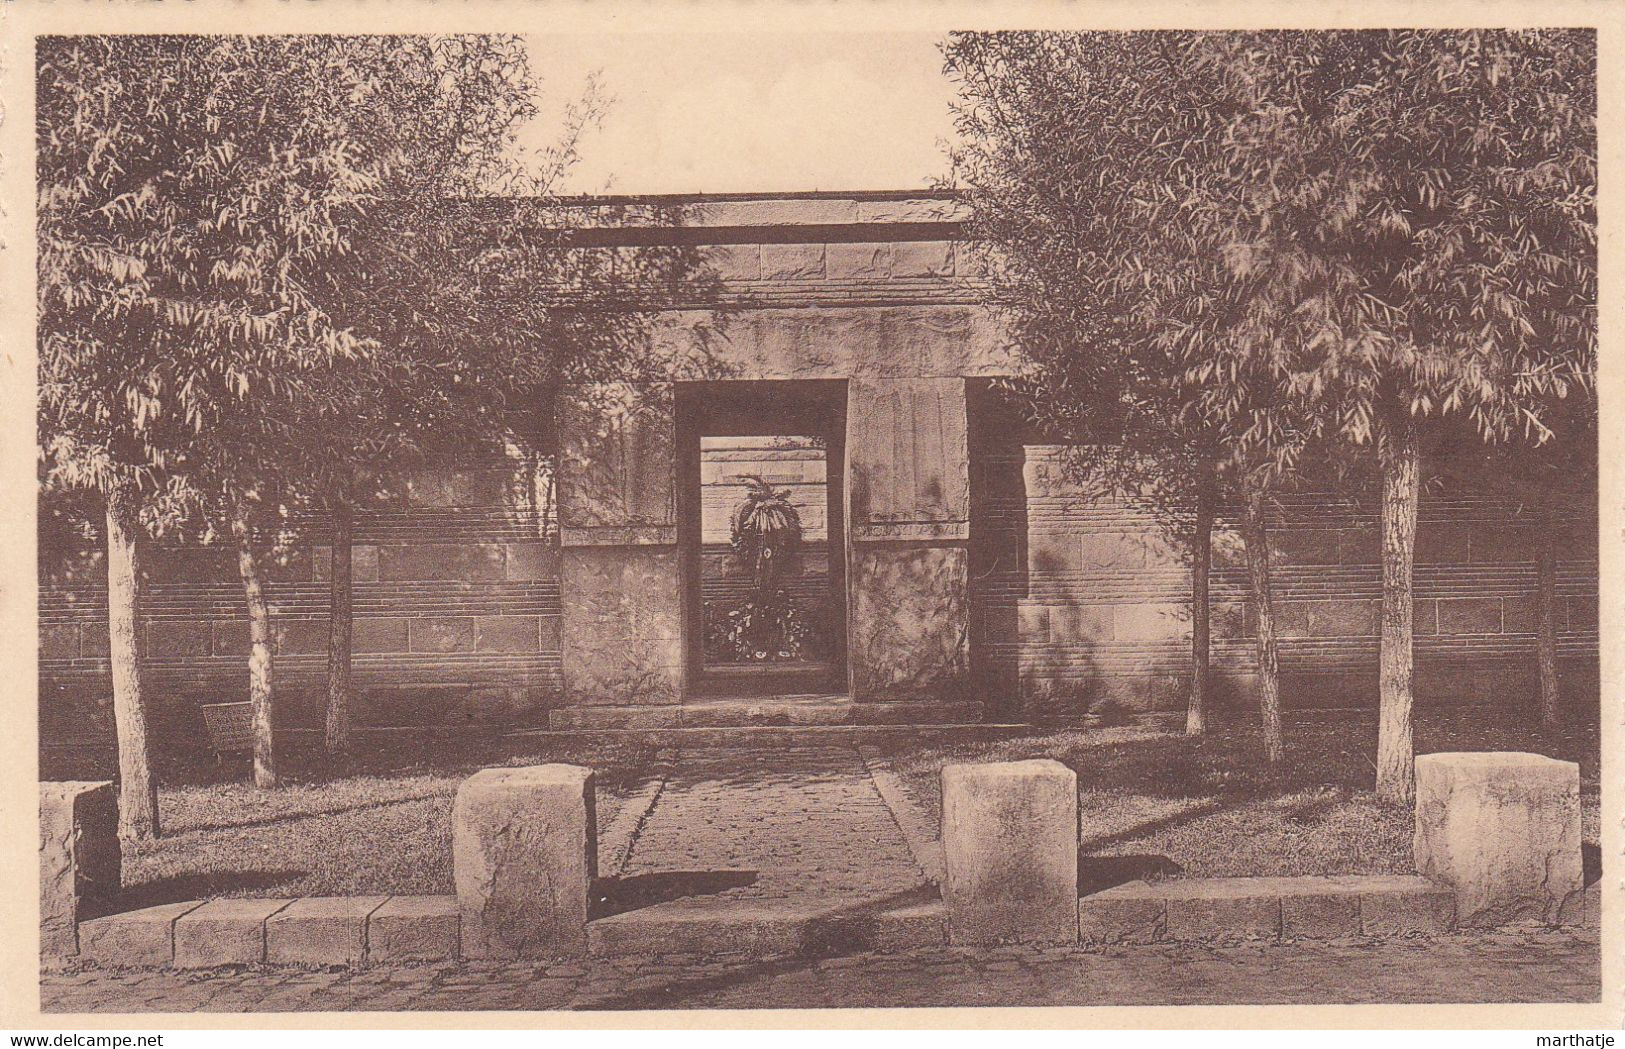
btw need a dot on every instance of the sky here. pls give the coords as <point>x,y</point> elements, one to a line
<point>750,112</point>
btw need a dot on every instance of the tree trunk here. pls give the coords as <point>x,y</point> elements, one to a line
<point>1400,459</point>
<point>1551,704</point>
<point>1256,536</point>
<point>1201,615</point>
<point>261,694</point>
<point>339,630</point>
<point>138,789</point>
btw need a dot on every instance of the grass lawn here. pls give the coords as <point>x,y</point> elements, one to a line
<point>1160,804</point>
<point>378,822</point>
<point>1153,804</point>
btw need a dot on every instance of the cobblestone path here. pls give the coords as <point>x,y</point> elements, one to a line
<point>775,823</point>
<point>1556,967</point>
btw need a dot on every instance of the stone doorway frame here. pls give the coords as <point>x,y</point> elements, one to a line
<point>742,408</point>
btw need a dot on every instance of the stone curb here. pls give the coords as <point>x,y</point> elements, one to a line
<point>1321,908</point>
<point>362,931</point>
<point>910,818</point>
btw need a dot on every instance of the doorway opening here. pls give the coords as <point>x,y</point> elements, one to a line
<point>764,543</point>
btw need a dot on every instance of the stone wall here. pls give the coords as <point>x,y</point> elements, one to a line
<point>970,566</point>
<point>1078,600</point>
<point>456,617</point>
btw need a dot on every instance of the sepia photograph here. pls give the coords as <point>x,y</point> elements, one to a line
<point>809,518</point>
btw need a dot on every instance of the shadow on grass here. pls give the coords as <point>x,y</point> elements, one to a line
<point>181,888</point>
<point>309,814</point>
<point>618,895</point>
<point>1099,873</point>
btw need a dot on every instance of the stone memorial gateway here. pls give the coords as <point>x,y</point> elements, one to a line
<point>959,575</point>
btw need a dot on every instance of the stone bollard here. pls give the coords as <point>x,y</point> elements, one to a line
<point>524,850</point>
<point>1502,830</point>
<point>79,860</point>
<point>1010,852</point>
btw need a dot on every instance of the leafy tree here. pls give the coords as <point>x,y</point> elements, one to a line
<point>1406,226</point>
<point>1082,153</point>
<point>218,322</point>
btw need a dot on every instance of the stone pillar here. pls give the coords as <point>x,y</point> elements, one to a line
<point>1502,830</point>
<point>620,585</point>
<point>524,845</point>
<point>1010,852</point>
<point>79,860</point>
<point>909,484</point>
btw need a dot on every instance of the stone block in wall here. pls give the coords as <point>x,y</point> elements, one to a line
<point>1081,624</point>
<point>230,638</point>
<point>1150,622</point>
<point>364,563</point>
<point>1032,622</point>
<point>1228,619</point>
<point>792,261</point>
<point>1111,549</point>
<point>617,465</point>
<point>59,641</point>
<point>530,562</point>
<point>509,634</point>
<point>1344,618</point>
<point>452,562</point>
<point>1470,615</point>
<point>835,342</point>
<point>1050,553</point>
<point>551,633</point>
<point>1359,546</point>
<point>1010,852</point>
<point>1518,615</point>
<point>380,634</point>
<point>621,633</point>
<point>908,458</point>
<point>858,261</point>
<point>178,639</point>
<point>80,862</point>
<point>1424,617</point>
<point>1501,829</point>
<point>524,844</point>
<point>94,642</point>
<point>300,636</point>
<point>1582,615</point>
<point>1291,618</point>
<point>1305,546</point>
<point>734,261</point>
<point>442,635</point>
<point>1502,543</point>
<point>1438,543</point>
<point>922,258</point>
<point>910,623</point>
<point>923,209</point>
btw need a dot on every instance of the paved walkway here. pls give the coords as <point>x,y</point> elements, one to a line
<point>1548,967</point>
<point>773,823</point>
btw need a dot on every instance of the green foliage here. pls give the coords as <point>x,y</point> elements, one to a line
<point>1240,246</point>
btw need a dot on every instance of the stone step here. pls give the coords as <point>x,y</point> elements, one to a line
<point>1266,908</point>
<point>746,711</point>
<point>767,928</point>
